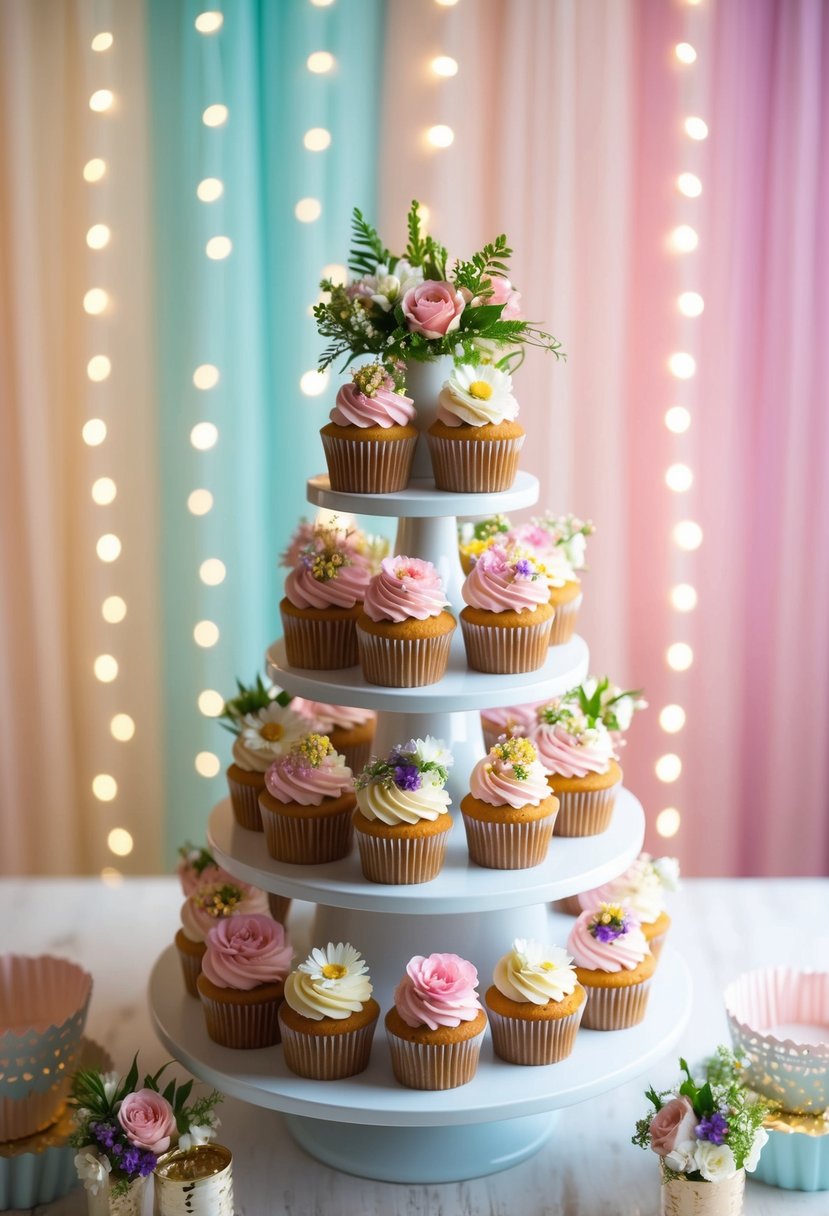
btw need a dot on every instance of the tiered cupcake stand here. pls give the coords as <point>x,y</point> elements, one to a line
<point>368,1124</point>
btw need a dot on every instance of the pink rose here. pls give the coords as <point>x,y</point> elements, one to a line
<point>148,1120</point>
<point>503,293</point>
<point>437,991</point>
<point>433,309</point>
<point>671,1125</point>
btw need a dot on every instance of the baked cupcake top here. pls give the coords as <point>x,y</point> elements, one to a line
<point>641,887</point>
<point>408,786</point>
<point>438,991</point>
<point>501,581</point>
<point>246,951</point>
<point>476,395</point>
<point>329,572</point>
<point>195,865</point>
<point>406,588</point>
<point>608,938</point>
<point>333,982</point>
<point>510,775</point>
<point>534,973</point>
<point>219,898</point>
<point>372,399</point>
<point>570,743</point>
<point>310,771</point>
<point>324,717</point>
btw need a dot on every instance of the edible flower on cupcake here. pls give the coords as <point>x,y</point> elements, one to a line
<point>364,546</point>
<point>613,705</point>
<point>474,538</point>
<point>475,442</point>
<point>477,395</point>
<point>508,616</point>
<point>370,440</point>
<point>307,803</point>
<point>351,730</point>
<point>579,755</point>
<point>510,810</point>
<point>615,965</point>
<point>559,544</point>
<point>373,398</point>
<point>535,1004</point>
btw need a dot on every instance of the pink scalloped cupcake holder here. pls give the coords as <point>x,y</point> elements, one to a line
<point>403,662</point>
<point>500,650</point>
<point>401,861</point>
<point>475,466</point>
<point>244,801</point>
<point>533,1042</point>
<point>509,846</point>
<point>585,812</point>
<point>374,466</point>
<point>616,1008</point>
<point>434,1065</point>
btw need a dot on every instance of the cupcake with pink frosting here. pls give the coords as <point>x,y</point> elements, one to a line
<point>510,810</point>
<point>508,616</point>
<point>559,542</point>
<point>323,599</point>
<point>614,964</point>
<point>579,755</point>
<point>242,981</point>
<point>641,887</point>
<point>218,897</point>
<point>508,720</point>
<point>475,441</point>
<point>437,1024</point>
<point>307,803</point>
<point>351,731</point>
<point>404,631</point>
<point>370,441</point>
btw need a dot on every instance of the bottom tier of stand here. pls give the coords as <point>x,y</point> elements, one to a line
<point>371,1126</point>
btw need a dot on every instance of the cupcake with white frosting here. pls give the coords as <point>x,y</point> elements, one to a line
<point>614,964</point>
<point>329,1016</point>
<point>583,773</point>
<point>508,616</point>
<point>535,1004</point>
<point>510,810</point>
<point>307,803</point>
<point>402,819</point>
<point>264,727</point>
<point>475,442</point>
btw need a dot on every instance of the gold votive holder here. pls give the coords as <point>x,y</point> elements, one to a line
<point>194,1182</point>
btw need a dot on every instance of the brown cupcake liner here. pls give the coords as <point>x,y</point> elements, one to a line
<point>280,906</point>
<point>500,650</point>
<point>564,621</point>
<point>570,905</point>
<point>315,645</point>
<point>532,1042</point>
<point>508,846</point>
<point>469,466</point>
<point>307,840</point>
<point>434,1065</point>
<point>244,799</point>
<point>375,466</point>
<point>399,860</point>
<point>616,1008</point>
<point>327,1057</point>
<point>403,662</point>
<point>191,970</point>
<point>357,755</point>
<point>585,812</point>
<point>245,1026</point>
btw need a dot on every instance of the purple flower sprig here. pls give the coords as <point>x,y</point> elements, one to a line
<point>524,568</point>
<point>713,1127</point>
<point>407,777</point>
<point>127,1158</point>
<point>610,922</point>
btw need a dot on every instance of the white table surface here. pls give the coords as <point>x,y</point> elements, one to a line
<point>589,1167</point>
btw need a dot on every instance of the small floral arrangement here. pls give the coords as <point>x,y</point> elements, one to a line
<point>327,551</point>
<point>705,1133</point>
<point>570,716</point>
<point>518,753</point>
<point>372,549</point>
<point>413,306</point>
<point>514,563</point>
<point>410,766</point>
<point>308,753</point>
<point>250,699</point>
<point>610,921</point>
<point>121,1130</point>
<point>600,700</point>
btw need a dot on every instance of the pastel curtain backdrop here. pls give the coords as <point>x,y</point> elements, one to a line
<point>570,135</point>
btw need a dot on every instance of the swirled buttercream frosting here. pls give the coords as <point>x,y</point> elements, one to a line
<point>388,804</point>
<point>437,991</point>
<point>502,582</point>
<point>246,951</point>
<point>406,588</point>
<point>368,401</point>
<point>570,746</point>
<point>311,770</point>
<point>608,938</point>
<point>343,588</point>
<point>325,718</point>
<point>534,973</point>
<point>510,775</point>
<point>332,983</point>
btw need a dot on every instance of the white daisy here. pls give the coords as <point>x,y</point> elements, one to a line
<point>272,729</point>
<point>536,956</point>
<point>479,393</point>
<point>327,965</point>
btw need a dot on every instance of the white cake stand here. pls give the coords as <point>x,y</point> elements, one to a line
<point>369,1125</point>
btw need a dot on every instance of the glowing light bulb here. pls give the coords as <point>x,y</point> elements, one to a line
<point>206,376</point>
<point>672,718</point>
<point>336,272</point>
<point>317,139</point>
<point>209,22</point>
<point>207,764</point>
<point>105,668</point>
<point>199,502</point>
<point>313,383</point>
<point>108,547</point>
<point>122,728</point>
<point>104,787</point>
<point>682,365</point>
<point>307,210</point>
<point>209,189</point>
<point>444,65</point>
<point>218,248</point>
<point>677,419</point>
<point>687,535</point>
<point>95,301</point>
<point>683,597</point>
<point>204,436</point>
<point>215,116</point>
<point>94,169</point>
<point>211,703</point>
<point>111,877</point>
<point>212,571</point>
<point>690,304</point>
<point>684,239</point>
<point>446,3</point>
<point>322,3</point>
<point>667,822</point>
<point>679,656</point>
<point>94,432</point>
<point>684,52</point>
<point>206,634</point>
<point>98,236</point>
<point>114,609</point>
<point>679,478</point>
<point>440,136</point>
<point>695,127</point>
<point>104,491</point>
<point>668,767</point>
<point>689,185</point>
<point>98,368</point>
<point>120,842</point>
<point>102,42</point>
<point>320,62</point>
<point>101,100</point>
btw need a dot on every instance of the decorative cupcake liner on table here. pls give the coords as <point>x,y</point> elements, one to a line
<point>307,840</point>
<point>280,906</point>
<point>616,1008</point>
<point>401,860</point>
<point>500,650</point>
<point>531,1041</point>
<point>564,621</point>
<point>320,645</point>
<point>324,1057</point>
<point>434,1065</point>
<point>508,846</point>
<point>243,1026</point>
<point>470,466</point>
<point>403,662</point>
<point>379,466</point>
<point>585,812</point>
<point>244,799</point>
<point>796,1155</point>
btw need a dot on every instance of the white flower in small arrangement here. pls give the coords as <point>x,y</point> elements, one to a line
<point>92,1169</point>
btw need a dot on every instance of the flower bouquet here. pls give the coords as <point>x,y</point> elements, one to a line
<point>706,1136</point>
<point>121,1131</point>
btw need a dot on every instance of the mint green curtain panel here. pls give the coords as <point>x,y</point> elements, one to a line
<point>246,315</point>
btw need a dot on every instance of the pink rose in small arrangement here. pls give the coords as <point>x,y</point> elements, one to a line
<point>121,1129</point>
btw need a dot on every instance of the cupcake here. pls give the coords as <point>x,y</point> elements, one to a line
<point>242,981</point>
<point>402,821</point>
<point>195,866</point>
<point>510,811</point>
<point>323,599</point>
<point>328,1017</point>
<point>508,720</point>
<point>508,617</point>
<point>370,441</point>
<point>535,1004</point>
<point>307,803</point>
<point>218,898</point>
<point>475,442</point>
<point>559,543</point>
<point>351,731</point>
<point>475,538</point>
<point>264,728</point>
<point>404,632</point>
<point>641,888</point>
<point>578,753</point>
<point>436,1025</point>
<point>614,964</point>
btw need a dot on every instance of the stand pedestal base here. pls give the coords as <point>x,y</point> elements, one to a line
<point>422,1154</point>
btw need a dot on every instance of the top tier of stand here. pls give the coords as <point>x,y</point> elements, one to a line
<point>421,500</point>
